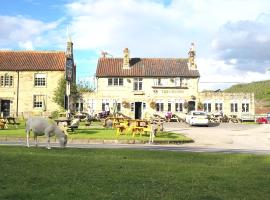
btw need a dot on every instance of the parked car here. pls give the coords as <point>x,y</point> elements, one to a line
<point>262,120</point>
<point>197,118</point>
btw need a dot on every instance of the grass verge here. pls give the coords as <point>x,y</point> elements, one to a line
<point>104,134</point>
<point>37,173</point>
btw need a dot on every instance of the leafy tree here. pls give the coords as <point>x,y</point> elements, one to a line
<point>84,87</point>
<point>60,92</point>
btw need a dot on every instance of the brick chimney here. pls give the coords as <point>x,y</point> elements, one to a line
<point>126,64</point>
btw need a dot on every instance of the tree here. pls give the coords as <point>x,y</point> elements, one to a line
<point>83,86</point>
<point>60,92</point>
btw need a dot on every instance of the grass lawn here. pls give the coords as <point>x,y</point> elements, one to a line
<point>38,173</point>
<point>95,132</point>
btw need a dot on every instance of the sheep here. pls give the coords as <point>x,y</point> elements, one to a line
<point>42,126</point>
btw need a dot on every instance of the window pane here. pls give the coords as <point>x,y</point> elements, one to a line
<point>115,81</point>
<point>157,106</point>
<point>181,107</point>
<point>140,85</point>
<point>121,82</point>
<point>135,86</point>
<point>162,107</point>
<point>10,80</point>
<point>40,80</point>
<point>38,101</point>
<point>2,80</point>
<point>118,107</point>
<point>209,107</point>
<point>109,81</point>
<point>169,107</point>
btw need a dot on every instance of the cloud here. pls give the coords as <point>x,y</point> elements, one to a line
<point>19,31</point>
<point>148,28</point>
<point>232,42</point>
<point>217,74</point>
<point>245,42</point>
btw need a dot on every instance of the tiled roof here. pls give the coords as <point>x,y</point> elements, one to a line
<point>145,67</point>
<point>32,60</point>
<point>263,110</point>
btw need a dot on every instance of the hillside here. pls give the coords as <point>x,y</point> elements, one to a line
<point>261,90</point>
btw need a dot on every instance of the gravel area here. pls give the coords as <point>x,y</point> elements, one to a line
<point>225,135</point>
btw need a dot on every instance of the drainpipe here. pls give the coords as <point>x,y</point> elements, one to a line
<point>17,100</point>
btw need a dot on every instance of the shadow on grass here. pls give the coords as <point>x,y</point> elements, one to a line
<point>166,135</point>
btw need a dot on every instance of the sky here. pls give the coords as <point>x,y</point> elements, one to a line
<point>232,37</point>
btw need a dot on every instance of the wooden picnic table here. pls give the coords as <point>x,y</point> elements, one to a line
<point>63,120</point>
<point>12,121</point>
<point>3,123</point>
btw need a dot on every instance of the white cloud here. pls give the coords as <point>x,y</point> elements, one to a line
<point>216,74</point>
<point>231,37</point>
<point>22,31</point>
<point>28,45</point>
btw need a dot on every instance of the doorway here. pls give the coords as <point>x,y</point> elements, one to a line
<point>138,110</point>
<point>5,108</point>
<point>191,106</point>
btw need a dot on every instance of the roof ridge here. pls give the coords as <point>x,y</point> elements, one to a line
<point>32,51</point>
<point>146,58</point>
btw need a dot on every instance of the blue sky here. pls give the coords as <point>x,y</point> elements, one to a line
<point>232,37</point>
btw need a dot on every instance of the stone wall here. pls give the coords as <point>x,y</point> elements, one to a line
<point>27,90</point>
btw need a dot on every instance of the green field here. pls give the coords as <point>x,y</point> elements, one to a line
<point>37,173</point>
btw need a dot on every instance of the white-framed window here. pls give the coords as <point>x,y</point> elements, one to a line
<point>159,106</point>
<point>6,80</point>
<point>105,105</point>
<point>207,106</point>
<point>116,105</point>
<point>132,107</point>
<point>40,79</point>
<point>169,106</point>
<point>144,106</point>
<point>179,104</point>
<point>218,105</point>
<point>137,84</point>
<point>177,81</point>
<point>245,107</point>
<point>234,107</point>
<point>39,101</point>
<point>115,81</point>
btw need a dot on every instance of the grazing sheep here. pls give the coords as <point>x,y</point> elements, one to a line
<point>42,126</point>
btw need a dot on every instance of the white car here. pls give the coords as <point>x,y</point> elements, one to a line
<point>197,118</point>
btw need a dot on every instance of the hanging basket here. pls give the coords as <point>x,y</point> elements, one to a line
<point>152,104</point>
<point>185,104</point>
<point>125,104</point>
